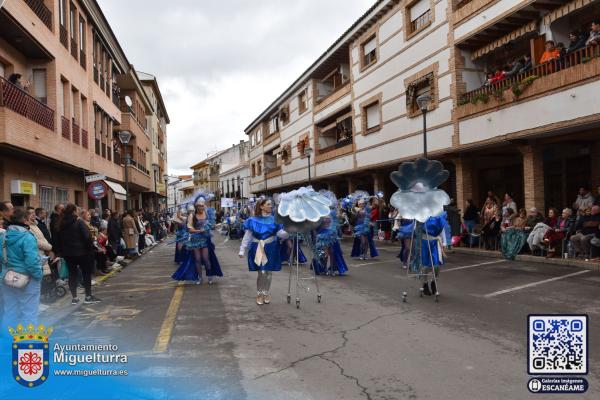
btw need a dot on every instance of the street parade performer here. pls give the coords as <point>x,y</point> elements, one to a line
<point>181,233</point>
<point>200,249</point>
<point>329,259</point>
<point>363,235</point>
<point>262,233</point>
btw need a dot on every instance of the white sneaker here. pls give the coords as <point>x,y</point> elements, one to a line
<point>93,282</point>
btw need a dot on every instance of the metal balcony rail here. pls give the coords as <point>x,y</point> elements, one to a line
<point>421,21</point>
<point>75,136</point>
<point>84,138</point>
<point>82,59</point>
<point>570,60</point>
<point>43,12</point>
<point>74,48</point>
<point>64,37</point>
<point>28,106</point>
<point>65,128</point>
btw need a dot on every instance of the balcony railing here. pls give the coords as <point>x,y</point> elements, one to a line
<point>421,22</point>
<point>517,81</point>
<point>43,12</point>
<point>64,37</point>
<point>97,146</point>
<point>103,148</point>
<point>65,128</point>
<point>84,138</point>
<point>95,73</point>
<point>28,106</point>
<point>75,136</point>
<point>108,153</point>
<point>461,3</point>
<point>74,48</point>
<point>338,145</point>
<point>116,157</point>
<point>101,81</point>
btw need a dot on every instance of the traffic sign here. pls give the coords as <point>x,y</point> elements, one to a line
<point>97,190</point>
<point>94,178</point>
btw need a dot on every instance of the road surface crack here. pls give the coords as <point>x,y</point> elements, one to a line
<point>322,355</point>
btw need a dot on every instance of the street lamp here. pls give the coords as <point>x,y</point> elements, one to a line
<point>423,103</point>
<point>240,184</point>
<point>166,179</point>
<point>308,151</point>
<point>124,138</point>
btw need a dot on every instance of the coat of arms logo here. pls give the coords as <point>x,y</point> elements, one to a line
<point>30,354</point>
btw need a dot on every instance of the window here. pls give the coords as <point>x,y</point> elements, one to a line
<point>286,153</point>
<point>420,86</point>
<point>303,143</point>
<point>39,85</point>
<point>274,124</point>
<point>333,81</point>
<point>258,136</point>
<point>81,34</point>
<point>61,12</point>
<point>2,70</point>
<point>371,115</point>
<point>369,51</point>
<point>284,114</point>
<point>62,196</point>
<point>302,102</point>
<point>419,16</point>
<point>259,167</point>
<point>47,198</point>
<point>72,25</point>
<point>335,132</point>
<point>253,170</point>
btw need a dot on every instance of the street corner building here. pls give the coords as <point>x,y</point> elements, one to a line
<point>61,121</point>
<point>531,129</point>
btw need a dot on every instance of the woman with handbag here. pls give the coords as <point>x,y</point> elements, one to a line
<point>77,248</point>
<point>21,273</point>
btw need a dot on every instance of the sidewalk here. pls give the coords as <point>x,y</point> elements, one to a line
<point>568,262</point>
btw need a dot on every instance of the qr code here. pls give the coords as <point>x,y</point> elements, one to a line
<point>557,344</point>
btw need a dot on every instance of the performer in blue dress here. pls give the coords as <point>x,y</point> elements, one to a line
<point>432,249</point>
<point>264,256</point>
<point>288,248</point>
<point>200,248</point>
<point>405,233</point>
<point>330,258</point>
<point>181,234</point>
<point>363,239</point>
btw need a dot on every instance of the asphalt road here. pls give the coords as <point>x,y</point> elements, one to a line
<point>361,342</point>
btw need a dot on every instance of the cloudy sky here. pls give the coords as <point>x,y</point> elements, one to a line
<point>220,63</point>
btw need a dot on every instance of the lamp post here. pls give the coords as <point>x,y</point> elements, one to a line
<point>240,184</point>
<point>166,179</point>
<point>124,138</point>
<point>308,151</point>
<point>423,103</point>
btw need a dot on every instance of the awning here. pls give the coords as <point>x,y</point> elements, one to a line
<point>120,192</point>
<point>564,10</point>
<point>525,29</point>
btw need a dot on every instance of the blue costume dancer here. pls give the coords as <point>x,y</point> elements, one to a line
<point>405,237</point>
<point>181,235</point>
<point>200,249</point>
<point>264,256</point>
<point>328,248</point>
<point>363,239</point>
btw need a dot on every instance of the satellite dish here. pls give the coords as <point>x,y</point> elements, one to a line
<point>128,101</point>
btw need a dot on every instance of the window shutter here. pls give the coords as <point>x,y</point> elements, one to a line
<point>39,84</point>
<point>373,116</point>
<point>418,9</point>
<point>370,46</point>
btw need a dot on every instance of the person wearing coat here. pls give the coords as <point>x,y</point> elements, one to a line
<point>19,244</point>
<point>44,246</point>
<point>130,232</point>
<point>75,245</point>
<point>114,235</point>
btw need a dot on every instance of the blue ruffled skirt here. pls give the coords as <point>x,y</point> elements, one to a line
<point>336,258</point>
<point>187,269</point>
<point>273,252</point>
<point>356,247</point>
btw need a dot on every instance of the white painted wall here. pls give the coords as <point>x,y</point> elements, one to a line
<point>479,20</point>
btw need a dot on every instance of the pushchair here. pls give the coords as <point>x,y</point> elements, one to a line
<point>52,287</point>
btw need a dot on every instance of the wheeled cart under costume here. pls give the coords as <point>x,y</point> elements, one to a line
<point>419,198</point>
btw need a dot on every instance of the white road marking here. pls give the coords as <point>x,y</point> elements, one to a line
<point>474,265</point>
<point>534,284</point>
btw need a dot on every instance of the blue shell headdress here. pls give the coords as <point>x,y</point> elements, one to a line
<point>331,196</point>
<point>358,196</point>
<point>418,196</point>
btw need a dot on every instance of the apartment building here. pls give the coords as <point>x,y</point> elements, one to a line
<point>352,117</point>
<point>176,190</point>
<point>78,91</point>
<point>157,127</point>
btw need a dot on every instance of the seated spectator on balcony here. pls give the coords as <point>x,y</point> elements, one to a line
<point>17,80</point>
<point>527,64</point>
<point>594,38</point>
<point>576,42</point>
<point>488,79</point>
<point>490,232</point>
<point>513,233</point>
<point>539,228</point>
<point>562,230</point>
<point>584,199</point>
<point>499,75</point>
<point>585,230</point>
<point>508,203</point>
<point>551,52</point>
<point>515,66</point>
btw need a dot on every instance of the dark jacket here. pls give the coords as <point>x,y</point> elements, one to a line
<point>74,238</point>
<point>42,225</point>
<point>453,217</point>
<point>588,224</point>
<point>114,231</point>
<point>577,44</point>
<point>54,219</point>
<point>471,213</point>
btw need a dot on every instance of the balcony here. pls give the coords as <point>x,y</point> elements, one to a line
<point>64,37</point>
<point>22,103</point>
<point>74,49</point>
<point>43,12</point>
<point>274,172</point>
<point>82,59</point>
<point>65,128</point>
<point>84,138</point>
<point>576,67</point>
<point>75,136</point>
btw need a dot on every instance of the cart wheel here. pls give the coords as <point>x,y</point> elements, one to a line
<point>404,295</point>
<point>421,292</point>
<point>289,298</point>
<point>319,298</point>
<point>60,291</point>
<point>297,303</point>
